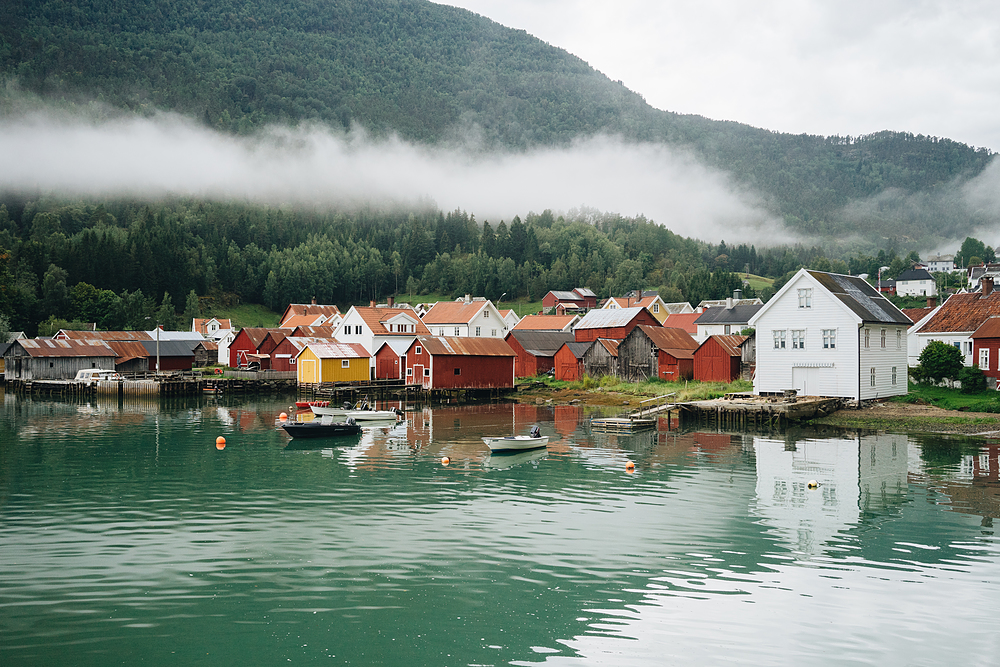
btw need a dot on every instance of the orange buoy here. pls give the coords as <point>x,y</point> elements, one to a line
<point>220,443</point>
<point>445,461</point>
<point>629,466</point>
<point>283,416</point>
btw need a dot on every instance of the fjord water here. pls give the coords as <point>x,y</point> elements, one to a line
<point>127,537</point>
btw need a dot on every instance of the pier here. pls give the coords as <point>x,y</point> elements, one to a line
<point>743,411</point>
<point>643,418</point>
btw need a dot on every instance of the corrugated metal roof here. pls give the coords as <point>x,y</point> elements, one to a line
<point>578,349</point>
<point>678,354</point>
<point>863,299</point>
<point>465,346</point>
<point>171,348</point>
<point>605,319</point>
<point>453,312</point>
<point>47,347</point>
<point>103,335</point>
<point>541,343</point>
<point>313,332</point>
<point>338,350</point>
<point>585,292</point>
<point>566,296</point>
<point>128,349</point>
<point>610,345</point>
<point>669,338</point>
<point>730,344</point>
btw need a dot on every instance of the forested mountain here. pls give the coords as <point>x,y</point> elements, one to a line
<point>432,73</point>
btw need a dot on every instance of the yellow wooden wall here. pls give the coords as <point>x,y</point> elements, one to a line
<point>313,370</point>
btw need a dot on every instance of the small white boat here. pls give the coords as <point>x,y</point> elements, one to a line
<point>515,443</point>
<point>357,415</point>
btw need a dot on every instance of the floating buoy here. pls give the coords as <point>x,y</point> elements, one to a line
<point>813,484</point>
<point>445,461</point>
<point>629,466</point>
<point>283,417</point>
<point>220,443</point>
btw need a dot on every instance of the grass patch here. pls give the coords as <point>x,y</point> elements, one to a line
<point>951,399</point>
<point>685,391</point>
<point>247,315</point>
<point>756,282</point>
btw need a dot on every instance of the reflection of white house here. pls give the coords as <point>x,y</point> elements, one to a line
<point>854,474</point>
<point>826,334</point>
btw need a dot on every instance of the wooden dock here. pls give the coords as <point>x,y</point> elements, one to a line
<point>150,386</point>
<point>643,418</point>
<point>748,411</point>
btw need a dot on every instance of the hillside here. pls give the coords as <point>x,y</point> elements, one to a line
<point>434,73</point>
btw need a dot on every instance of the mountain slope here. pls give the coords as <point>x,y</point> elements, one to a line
<point>435,73</point>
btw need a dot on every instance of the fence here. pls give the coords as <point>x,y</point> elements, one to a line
<point>261,375</point>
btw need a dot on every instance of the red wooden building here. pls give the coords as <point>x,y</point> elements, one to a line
<point>568,360</point>
<point>443,362</point>
<point>536,350</point>
<point>718,359</point>
<point>581,297</point>
<point>246,343</point>
<point>986,349</point>
<point>388,364</point>
<point>283,355</point>
<point>613,324</point>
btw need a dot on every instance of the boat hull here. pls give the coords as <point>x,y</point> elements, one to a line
<point>356,415</point>
<point>516,443</point>
<point>316,429</point>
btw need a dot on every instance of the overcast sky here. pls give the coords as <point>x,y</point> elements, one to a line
<point>843,67</point>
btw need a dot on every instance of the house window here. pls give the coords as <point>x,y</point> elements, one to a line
<point>486,313</point>
<point>494,333</point>
<point>894,375</point>
<point>968,347</point>
<point>727,329</point>
<point>345,363</point>
<point>883,339</point>
<point>440,331</point>
<point>873,377</point>
<point>417,350</point>
<point>798,339</point>
<point>477,331</point>
<point>656,309</point>
<point>409,372</point>
<point>457,332</point>
<point>292,361</point>
<point>779,340</point>
<point>805,298</point>
<point>899,339</point>
<point>829,339</point>
<point>427,372</point>
<point>357,330</point>
<point>868,337</point>
<point>984,359</point>
<point>458,371</point>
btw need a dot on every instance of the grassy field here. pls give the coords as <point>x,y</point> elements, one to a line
<point>247,315</point>
<point>684,391</point>
<point>756,282</point>
<point>951,399</point>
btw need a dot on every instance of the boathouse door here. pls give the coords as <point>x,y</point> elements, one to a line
<point>806,381</point>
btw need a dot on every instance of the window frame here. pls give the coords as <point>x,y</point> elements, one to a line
<point>779,338</point>
<point>829,339</point>
<point>805,297</point>
<point>798,339</point>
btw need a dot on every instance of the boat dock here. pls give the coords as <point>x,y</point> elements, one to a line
<point>744,410</point>
<point>643,418</point>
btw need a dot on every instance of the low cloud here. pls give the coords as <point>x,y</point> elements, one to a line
<point>170,155</point>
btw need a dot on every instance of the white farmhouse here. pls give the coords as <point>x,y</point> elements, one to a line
<point>374,326</point>
<point>826,334</point>
<point>475,318</point>
<point>941,264</point>
<point>916,282</point>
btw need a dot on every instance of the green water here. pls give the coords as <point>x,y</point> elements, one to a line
<point>127,537</point>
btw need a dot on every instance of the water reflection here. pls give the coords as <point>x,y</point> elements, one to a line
<point>125,536</point>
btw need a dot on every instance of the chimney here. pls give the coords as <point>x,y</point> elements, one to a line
<point>468,298</point>
<point>987,285</point>
<point>314,301</point>
<point>371,304</point>
<point>931,301</point>
<point>392,301</point>
<point>737,294</point>
<point>729,303</point>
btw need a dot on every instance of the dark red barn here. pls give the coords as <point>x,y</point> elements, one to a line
<point>388,364</point>
<point>718,359</point>
<point>613,324</point>
<point>536,350</point>
<point>441,362</point>
<point>568,360</point>
<point>986,350</point>
<point>246,343</point>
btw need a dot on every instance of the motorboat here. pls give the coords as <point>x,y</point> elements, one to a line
<point>306,404</point>
<point>324,427</point>
<point>515,443</point>
<point>361,411</point>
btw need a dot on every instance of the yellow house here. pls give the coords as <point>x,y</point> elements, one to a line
<point>654,304</point>
<point>332,362</point>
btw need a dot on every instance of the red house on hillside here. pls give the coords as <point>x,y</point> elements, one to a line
<point>580,298</point>
<point>447,362</point>
<point>613,324</point>
<point>718,359</point>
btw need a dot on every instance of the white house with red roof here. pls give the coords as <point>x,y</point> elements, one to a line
<point>547,323</point>
<point>471,318</point>
<point>373,326</point>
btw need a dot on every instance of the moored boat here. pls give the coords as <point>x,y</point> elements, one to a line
<point>307,404</point>
<point>324,427</point>
<point>514,443</point>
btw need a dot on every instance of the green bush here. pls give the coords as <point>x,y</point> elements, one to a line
<point>972,379</point>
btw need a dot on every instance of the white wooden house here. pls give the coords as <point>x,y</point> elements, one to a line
<point>473,318</point>
<point>374,326</point>
<point>826,334</point>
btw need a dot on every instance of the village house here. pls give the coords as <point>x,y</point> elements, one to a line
<point>246,343</point>
<point>468,317</point>
<point>284,356</point>
<point>209,327</point>
<point>916,282</point>
<point>986,349</point>
<point>547,323</point>
<point>580,298</point>
<point>663,352</point>
<point>373,326</point>
<point>613,324</point>
<point>173,355</point>
<point>50,359</point>
<point>206,353</point>
<point>450,362</point>
<point>601,358</point>
<point>726,320</point>
<point>536,350</point>
<point>510,318</point>
<point>654,304</point>
<point>956,320</point>
<point>826,334</point>
<point>224,342</point>
<point>314,320</point>
<point>296,309</point>
<point>568,360</point>
<point>719,358</point>
<point>941,264</point>
<point>332,362</point>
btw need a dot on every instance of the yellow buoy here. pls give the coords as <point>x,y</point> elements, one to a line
<point>813,484</point>
<point>283,417</point>
<point>445,461</point>
<point>220,443</point>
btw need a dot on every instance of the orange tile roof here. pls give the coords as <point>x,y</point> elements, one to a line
<point>453,312</point>
<point>645,302</point>
<point>963,312</point>
<point>308,309</point>
<point>989,329</point>
<point>200,324</point>
<point>682,321</point>
<point>374,318</point>
<point>313,332</point>
<point>545,322</point>
<point>300,321</point>
<point>916,314</point>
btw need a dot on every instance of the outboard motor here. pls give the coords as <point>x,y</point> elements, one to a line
<point>350,421</point>
<point>399,413</point>
<point>536,432</point>
<point>347,405</point>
